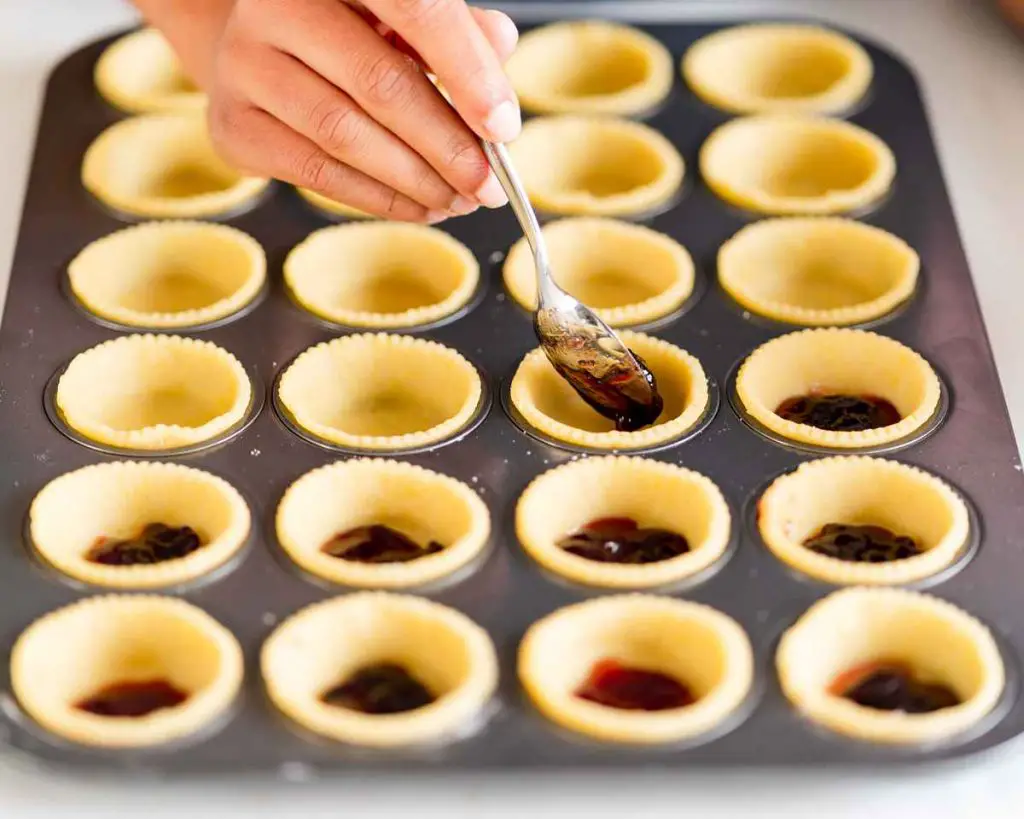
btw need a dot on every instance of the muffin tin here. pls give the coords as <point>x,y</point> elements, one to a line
<point>971,445</point>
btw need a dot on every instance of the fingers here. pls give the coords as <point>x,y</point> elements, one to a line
<point>499,30</point>
<point>1014,11</point>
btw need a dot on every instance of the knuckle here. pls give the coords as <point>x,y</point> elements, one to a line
<point>315,170</point>
<point>336,126</point>
<point>420,11</point>
<point>467,160</point>
<point>388,81</point>
<point>430,189</point>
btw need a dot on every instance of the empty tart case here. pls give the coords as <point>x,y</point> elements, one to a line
<point>164,165</point>
<point>169,274</point>
<point>868,492</point>
<point>596,166</point>
<point>652,494</point>
<point>140,73</point>
<point>423,505</point>
<point>590,67</point>
<point>381,274</point>
<point>857,628</point>
<point>696,645</point>
<point>114,501</point>
<point>817,271</point>
<point>71,655</point>
<point>549,405</point>
<point>797,165</point>
<point>626,273</point>
<point>328,205</point>
<point>153,392</point>
<point>778,68</point>
<point>376,391</point>
<point>838,361</point>
<point>325,644</point>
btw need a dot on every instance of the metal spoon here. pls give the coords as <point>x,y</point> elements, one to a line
<point>584,350</point>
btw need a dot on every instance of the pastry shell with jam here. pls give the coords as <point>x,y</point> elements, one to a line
<point>700,647</point>
<point>324,203</point>
<point>863,491</point>
<point>548,404</point>
<point>626,273</point>
<point>422,504</point>
<point>798,165</point>
<point>153,392</point>
<point>856,626</point>
<point>381,274</point>
<point>168,274</point>
<point>70,654</point>
<point>654,494</point>
<point>778,67</point>
<point>140,72</point>
<point>325,643</point>
<point>590,67</point>
<point>839,361</point>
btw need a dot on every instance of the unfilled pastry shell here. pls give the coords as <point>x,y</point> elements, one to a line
<point>381,392</point>
<point>590,67</point>
<point>169,274</point>
<point>381,274</point>
<point>773,67</point>
<point>323,644</point>
<point>153,392</point>
<point>626,273</point>
<point>140,72</point>
<point>654,494</point>
<point>844,361</point>
<point>548,404</point>
<point>596,166</point>
<point>70,654</point>
<point>864,492</point>
<point>328,205</point>
<point>164,165</point>
<point>817,271</point>
<point>421,504</point>
<point>788,164</point>
<point>856,626</point>
<point>698,646</point>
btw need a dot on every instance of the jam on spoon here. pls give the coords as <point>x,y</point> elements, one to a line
<point>633,689</point>
<point>384,688</point>
<point>839,412</point>
<point>861,544</point>
<point>889,686</point>
<point>377,544</point>
<point>622,540</point>
<point>156,543</point>
<point>133,699</point>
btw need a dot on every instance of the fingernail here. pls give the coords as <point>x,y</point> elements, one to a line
<point>509,32</point>
<point>491,194</point>
<point>504,122</point>
<point>435,216</point>
<point>463,205</point>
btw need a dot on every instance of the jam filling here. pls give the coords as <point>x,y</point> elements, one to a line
<point>377,544</point>
<point>888,686</point>
<point>633,689</point>
<point>861,544</point>
<point>838,412</point>
<point>385,688</point>
<point>133,699</point>
<point>156,543</point>
<point>622,540</point>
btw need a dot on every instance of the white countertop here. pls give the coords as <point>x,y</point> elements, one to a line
<point>972,70</point>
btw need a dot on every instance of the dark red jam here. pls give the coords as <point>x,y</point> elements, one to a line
<point>156,543</point>
<point>377,544</point>
<point>622,540</point>
<point>633,689</point>
<point>385,688</point>
<point>839,413</point>
<point>889,686</point>
<point>133,699</point>
<point>861,544</point>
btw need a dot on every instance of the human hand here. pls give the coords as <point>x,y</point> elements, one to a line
<point>1013,10</point>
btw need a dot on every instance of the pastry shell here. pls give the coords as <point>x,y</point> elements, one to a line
<point>71,653</point>
<point>164,165</point>
<point>699,646</point>
<point>169,274</point>
<point>856,626</point>
<point>626,273</point>
<point>838,360</point>
<point>376,391</point>
<point>596,166</point>
<point>773,67</point>
<point>654,494</point>
<point>422,504</point>
<point>323,644</point>
<point>867,492</point>
<point>798,165</point>
<point>548,404</point>
<point>590,67</point>
<point>817,271</point>
<point>381,274</point>
<point>153,392</point>
<point>328,205</point>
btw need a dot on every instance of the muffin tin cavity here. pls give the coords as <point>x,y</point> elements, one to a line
<point>140,73</point>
